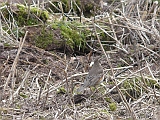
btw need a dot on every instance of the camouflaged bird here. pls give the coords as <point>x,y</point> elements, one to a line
<point>94,77</point>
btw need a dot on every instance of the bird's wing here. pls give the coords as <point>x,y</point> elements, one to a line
<point>92,80</point>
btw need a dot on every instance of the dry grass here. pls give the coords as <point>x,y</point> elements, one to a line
<point>37,84</point>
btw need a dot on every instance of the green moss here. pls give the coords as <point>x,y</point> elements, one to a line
<point>131,83</point>
<point>152,83</point>
<point>8,45</point>
<point>44,39</point>
<point>61,90</point>
<point>55,25</point>
<point>24,19</point>
<point>132,88</point>
<point>44,15</point>
<point>107,99</point>
<point>112,106</point>
<point>135,83</point>
<point>105,111</point>
<point>74,38</point>
<point>23,95</point>
<point>21,7</point>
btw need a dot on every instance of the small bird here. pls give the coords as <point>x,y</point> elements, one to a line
<point>94,77</point>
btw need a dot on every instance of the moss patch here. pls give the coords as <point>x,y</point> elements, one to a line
<point>24,15</point>
<point>112,106</point>
<point>44,39</point>
<point>73,37</point>
<point>61,90</point>
<point>30,16</point>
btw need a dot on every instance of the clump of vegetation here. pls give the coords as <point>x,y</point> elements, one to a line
<point>24,15</point>
<point>74,38</point>
<point>23,95</point>
<point>61,90</point>
<point>152,83</point>
<point>133,89</point>
<point>69,37</point>
<point>107,99</point>
<point>112,106</point>
<point>30,17</point>
<point>44,39</point>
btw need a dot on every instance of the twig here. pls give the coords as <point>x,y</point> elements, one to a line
<point>13,68</point>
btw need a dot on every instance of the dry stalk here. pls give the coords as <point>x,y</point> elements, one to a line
<point>63,81</point>
<point>68,83</point>
<point>66,74</point>
<point>13,68</point>
<point>21,85</point>
<point>8,25</point>
<point>149,50</point>
<point>114,34</point>
<point>46,86</point>
<point>114,80</point>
